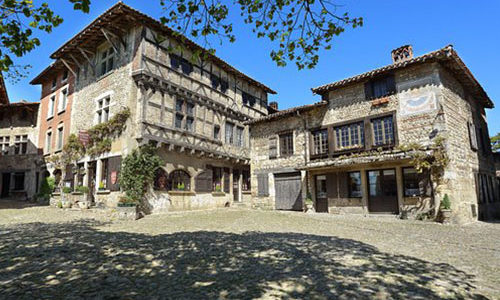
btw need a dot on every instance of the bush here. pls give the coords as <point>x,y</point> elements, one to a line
<point>66,189</point>
<point>82,189</point>
<point>59,204</point>
<point>47,187</point>
<point>446,203</point>
<point>309,200</point>
<point>126,202</point>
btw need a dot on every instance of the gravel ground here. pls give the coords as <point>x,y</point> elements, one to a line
<point>48,253</point>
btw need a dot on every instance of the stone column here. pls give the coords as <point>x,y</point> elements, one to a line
<point>365,190</point>
<point>400,187</point>
<point>86,176</point>
<point>98,174</point>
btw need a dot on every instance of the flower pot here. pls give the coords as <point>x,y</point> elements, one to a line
<point>445,216</point>
<point>310,208</point>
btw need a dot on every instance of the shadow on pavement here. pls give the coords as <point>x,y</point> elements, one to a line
<point>71,260</point>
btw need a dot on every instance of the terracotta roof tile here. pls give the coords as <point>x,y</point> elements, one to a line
<point>287,112</point>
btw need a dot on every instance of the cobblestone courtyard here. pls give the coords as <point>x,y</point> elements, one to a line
<point>47,253</point>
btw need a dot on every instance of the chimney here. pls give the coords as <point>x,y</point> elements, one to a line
<point>402,53</point>
<point>274,105</point>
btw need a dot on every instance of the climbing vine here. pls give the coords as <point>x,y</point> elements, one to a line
<point>102,135</point>
<point>138,172</point>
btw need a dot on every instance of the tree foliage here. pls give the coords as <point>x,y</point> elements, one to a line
<point>19,19</point>
<point>297,29</point>
<point>495,143</point>
<point>138,171</point>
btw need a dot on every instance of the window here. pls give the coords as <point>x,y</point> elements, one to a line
<point>60,138</point>
<point>248,99</point>
<point>48,142</point>
<point>103,110</point>
<point>286,144</point>
<point>177,61</point>
<point>180,180</point>
<point>239,136</point>
<point>354,185</point>
<point>54,83</point>
<point>4,144</point>
<point>217,179</point>
<point>411,182</point>
<point>107,61</point>
<point>18,181</point>
<point>380,87</point>
<point>472,136</point>
<point>350,136</point>
<point>161,180</point>
<point>65,76</point>
<point>21,144</point>
<point>320,142</point>
<point>216,132</point>
<point>273,151</point>
<point>184,115</point>
<point>245,185</point>
<point>63,100</point>
<point>229,133</point>
<point>52,103</point>
<point>383,131</point>
<point>218,83</point>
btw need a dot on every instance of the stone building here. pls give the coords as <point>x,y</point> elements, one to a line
<point>21,163</point>
<point>350,150</point>
<point>192,107</point>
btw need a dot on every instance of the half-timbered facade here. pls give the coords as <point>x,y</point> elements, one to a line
<point>349,152</point>
<point>189,103</point>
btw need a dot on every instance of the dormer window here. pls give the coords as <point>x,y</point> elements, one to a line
<point>65,76</point>
<point>380,87</point>
<point>54,83</point>
<point>107,60</point>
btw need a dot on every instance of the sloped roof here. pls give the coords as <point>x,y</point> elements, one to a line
<point>447,56</point>
<point>286,112</point>
<point>126,15</point>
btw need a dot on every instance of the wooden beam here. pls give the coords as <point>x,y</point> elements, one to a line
<point>116,36</point>
<point>110,41</point>
<point>76,61</point>
<point>92,65</point>
<point>68,66</point>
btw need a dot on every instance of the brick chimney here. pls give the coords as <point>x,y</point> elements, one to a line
<point>402,53</point>
<point>274,105</point>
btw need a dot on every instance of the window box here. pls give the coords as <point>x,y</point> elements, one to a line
<point>103,192</point>
<point>218,194</point>
<point>181,193</point>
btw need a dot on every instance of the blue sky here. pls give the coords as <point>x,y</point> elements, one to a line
<point>472,27</point>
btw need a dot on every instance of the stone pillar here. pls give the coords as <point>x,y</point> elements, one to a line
<point>240,186</point>
<point>400,187</point>
<point>86,176</point>
<point>98,174</point>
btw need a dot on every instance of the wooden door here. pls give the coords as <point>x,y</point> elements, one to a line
<point>288,188</point>
<point>5,185</point>
<point>321,194</point>
<point>382,191</point>
<point>236,185</point>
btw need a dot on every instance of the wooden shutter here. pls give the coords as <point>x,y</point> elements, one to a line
<point>226,180</point>
<point>368,90</point>
<point>343,185</point>
<point>263,185</point>
<point>273,148</point>
<point>114,167</point>
<point>391,85</point>
<point>203,182</point>
<point>472,136</point>
<point>425,184</point>
<point>331,185</point>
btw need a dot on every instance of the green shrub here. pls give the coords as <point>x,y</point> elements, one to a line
<point>309,200</point>
<point>59,204</point>
<point>82,189</point>
<point>66,189</point>
<point>47,187</point>
<point>446,203</point>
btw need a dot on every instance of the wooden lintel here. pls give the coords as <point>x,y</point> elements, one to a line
<point>76,61</point>
<point>68,66</point>
<point>116,36</point>
<point>84,53</point>
<point>110,41</point>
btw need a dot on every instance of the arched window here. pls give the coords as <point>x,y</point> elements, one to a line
<point>180,180</point>
<point>161,180</point>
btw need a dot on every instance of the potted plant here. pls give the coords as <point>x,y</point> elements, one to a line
<point>309,203</point>
<point>126,202</point>
<point>445,209</point>
<point>66,189</point>
<point>180,186</point>
<point>218,188</point>
<point>102,186</point>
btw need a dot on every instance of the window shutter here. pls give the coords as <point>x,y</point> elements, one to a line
<point>273,151</point>
<point>263,185</point>
<point>226,180</point>
<point>391,85</point>
<point>472,136</point>
<point>331,185</point>
<point>368,90</point>
<point>425,184</point>
<point>114,167</point>
<point>203,182</point>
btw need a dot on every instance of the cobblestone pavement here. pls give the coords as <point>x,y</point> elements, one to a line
<point>49,253</point>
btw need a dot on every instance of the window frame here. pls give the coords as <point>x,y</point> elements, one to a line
<point>323,143</point>
<point>361,136</point>
<point>216,132</point>
<point>21,144</point>
<point>405,180</point>
<point>286,144</point>
<point>52,106</point>
<point>109,52</point>
<point>60,137</point>
<point>15,177</point>
<point>103,106</point>
<point>48,141</point>
<point>384,132</point>
<point>185,115</point>
<point>388,81</point>
<point>5,144</point>
<point>63,100</point>
<point>187,184</point>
